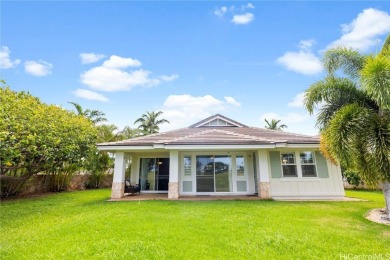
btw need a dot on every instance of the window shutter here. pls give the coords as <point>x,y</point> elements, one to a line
<point>276,166</point>
<point>322,166</point>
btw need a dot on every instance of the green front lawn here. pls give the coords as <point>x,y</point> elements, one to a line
<point>80,225</point>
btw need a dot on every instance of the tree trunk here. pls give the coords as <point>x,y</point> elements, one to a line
<point>386,192</point>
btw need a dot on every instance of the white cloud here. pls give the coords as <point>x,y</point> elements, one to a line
<point>184,110</point>
<point>111,76</point>
<point>232,101</point>
<point>90,57</point>
<point>5,60</point>
<point>306,44</point>
<point>247,6</point>
<point>297,100</point>
<point>106,79</point>
<point>220,11</point>
<point>364,31</point>
<point>243,18</point>
<point>169,78</point>
<point>91,95</point>
<point>116,62</point>
<point>236,14</point>
<point>302,61</point>
<point>38,68</point>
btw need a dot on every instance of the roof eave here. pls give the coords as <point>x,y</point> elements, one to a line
<point>197,147</point>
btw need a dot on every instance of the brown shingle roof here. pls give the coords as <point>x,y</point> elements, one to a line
<point>214,135</point>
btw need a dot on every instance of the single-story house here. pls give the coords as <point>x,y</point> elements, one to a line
<point>220,156</point>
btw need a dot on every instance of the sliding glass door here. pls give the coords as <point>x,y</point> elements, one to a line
<point>213,173</point>
<point>154,174</point>
<point>223,174</point>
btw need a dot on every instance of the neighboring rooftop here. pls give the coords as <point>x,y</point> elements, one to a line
<point>218,130</point>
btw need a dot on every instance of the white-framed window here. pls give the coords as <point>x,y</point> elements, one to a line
<point>240,165</point>
<point>289,164</point>
<point>187,165</point>
<point>308,164</point>
<point>298,164</point>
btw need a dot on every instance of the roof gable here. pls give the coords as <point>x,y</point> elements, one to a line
<point>217,121</point>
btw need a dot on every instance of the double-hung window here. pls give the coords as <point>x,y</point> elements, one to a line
<point>303,167</point>
<point>289,165</point>
<point>308,164</point>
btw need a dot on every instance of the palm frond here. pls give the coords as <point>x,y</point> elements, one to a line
<point>78,108</point>
<point>375,78</point>
<point>348,60</point>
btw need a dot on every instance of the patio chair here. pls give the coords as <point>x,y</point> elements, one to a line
<point>132,189</point>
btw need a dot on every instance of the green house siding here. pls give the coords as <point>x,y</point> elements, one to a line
<point>276,166</point>
<point>322,166</point>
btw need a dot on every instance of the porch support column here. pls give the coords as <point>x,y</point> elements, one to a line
<point>264,185</point>
<point>173,187</point>
<point>118,182</point>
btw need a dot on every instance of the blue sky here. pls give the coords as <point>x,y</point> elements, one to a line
<point>245,60</point>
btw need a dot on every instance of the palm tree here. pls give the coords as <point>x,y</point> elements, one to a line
<point>354,113</point>
<point>274,125</point>
<point>107,133</point>
<point>95,116</point>
<point>128,133</point>
<point>149,122</point>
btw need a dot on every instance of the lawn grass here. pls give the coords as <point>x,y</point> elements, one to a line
<point>82,225</point>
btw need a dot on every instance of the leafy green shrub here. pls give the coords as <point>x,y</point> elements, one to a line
<point>98,163</point>
<point>36,137</point>
<point>352,178</point>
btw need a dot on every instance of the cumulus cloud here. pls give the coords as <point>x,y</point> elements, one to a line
<point>302,61</point>
<point>297,100</point>
<point>87,58</point>
<point>232,101</point>
<point>38,68</point>
<point>184,110</point>
<point>90,95</point>
<point>364,31</point>
<point>116,62</point>
<point>5,59</point>
<point>113,76</point>
<point>243,18</point>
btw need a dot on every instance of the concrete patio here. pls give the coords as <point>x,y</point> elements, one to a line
<point>164,196</point>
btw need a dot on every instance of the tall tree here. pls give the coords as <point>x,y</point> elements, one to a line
<point>37,137</point>
<point>95,116</point>
<point>107,133</point>
<point>149,122</point>
<point>354,113</point>
<point>274,125</point>
<point>128,133</point>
